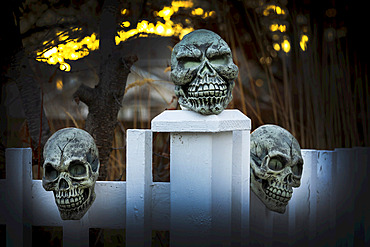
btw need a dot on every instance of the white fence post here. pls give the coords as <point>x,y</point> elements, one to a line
<point>138,188</point>
<point>201,175</point>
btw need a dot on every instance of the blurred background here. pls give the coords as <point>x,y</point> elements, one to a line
<point>302,65</point>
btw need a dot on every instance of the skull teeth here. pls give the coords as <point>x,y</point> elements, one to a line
<point>208,86</point>
<point>205,90</point>
<point>69,193</point>
<point>201,101</point>
<point>278,193</point>
<point>70,199</point>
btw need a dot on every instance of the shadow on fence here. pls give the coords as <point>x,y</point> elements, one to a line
<point>330,208</point>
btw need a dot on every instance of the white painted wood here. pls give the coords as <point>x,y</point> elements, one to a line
<point>312,181</point>
<point>345,196</point>
<point>3,203</point>
<point>45,211</point>
<point>268,222</point>
<point>206,205</point>
<point>138,187</point>
<point>303,196</point>
<point>261,220</point>
<point>76,233</point>
<point>109,207</point>
<point>240,188</point>
<point>280,229</point>
<point>107,211</point>
<point>362,212</point>
<point>161,206</point>
<point>191,188</point>
<point>204,200</point>
<point>325,199</point>
<point>18,223</point>
<point>27,195</point>
<point>221,177</point>
<point>341,212</point>
<point>291,217</point>
<point>189,121</point>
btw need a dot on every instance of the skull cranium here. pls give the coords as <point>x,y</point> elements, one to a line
<point>203,71</point>
<point>276,166</point>
<point>71,168</point>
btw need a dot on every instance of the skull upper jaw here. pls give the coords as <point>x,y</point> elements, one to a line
<point>270,187</point>
<point>260,189</point>
<point>206,103</point>
<point>73,195</point>
<point>75,210</point>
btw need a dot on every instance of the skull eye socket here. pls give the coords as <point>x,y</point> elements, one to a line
<point>77,168</point>
<point>219,59</point>
<point>297,169</point>
<point>276,164</point>
<point>50,172</point>
<point>189,62</point>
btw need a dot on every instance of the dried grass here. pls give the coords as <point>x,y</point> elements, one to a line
<point>318,98</point>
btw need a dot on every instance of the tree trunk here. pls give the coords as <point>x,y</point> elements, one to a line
<point>104,101</point>
<point>31,97</point>
<point>29,90</point>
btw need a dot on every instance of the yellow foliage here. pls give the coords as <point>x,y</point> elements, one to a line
<point>285,45</point>
<point>72,49</point>
<point>303,42</point>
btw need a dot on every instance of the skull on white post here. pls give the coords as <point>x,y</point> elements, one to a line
<point>71,167</point>
<point>203,71</point>
<point>276,166</point>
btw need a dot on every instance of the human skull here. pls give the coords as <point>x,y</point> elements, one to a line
<point>276,166</point>
<point>203,71</point>
<point>71,168</point>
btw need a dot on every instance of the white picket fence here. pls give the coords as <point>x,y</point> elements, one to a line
<point>206,202</point>
<point>330,208</point>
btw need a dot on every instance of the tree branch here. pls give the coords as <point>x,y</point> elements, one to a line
<point>85,94</point>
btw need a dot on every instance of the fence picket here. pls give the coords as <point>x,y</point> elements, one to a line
<point>76,233</point>
<point>325,199</point>
<point>302,196</point>
<point>312,181</point>
<point>345,197</point>
<point>280,229</point>
<point>361,192</point>
<point>240,188</point>
<point>18,178</point>
<point>138,187</point>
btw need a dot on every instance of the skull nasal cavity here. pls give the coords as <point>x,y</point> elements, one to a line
<point>288,179</point>
<point>63,184</point>
<point>206,69</point>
